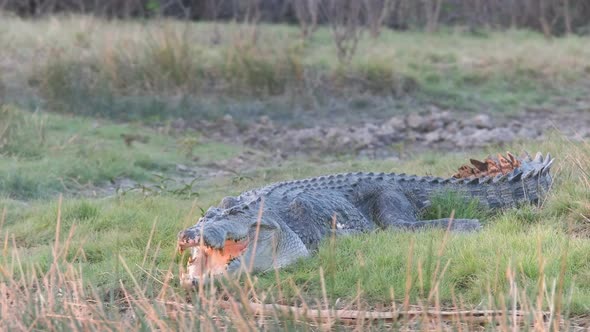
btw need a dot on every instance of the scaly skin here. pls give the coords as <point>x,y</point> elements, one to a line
<point>298,215</point>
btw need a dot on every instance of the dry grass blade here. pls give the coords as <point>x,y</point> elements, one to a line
<point>148,245</point>
<point>57,229</point>
<point>325,316</point>
<point>2,219</point>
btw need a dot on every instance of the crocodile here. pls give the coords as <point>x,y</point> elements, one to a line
<point>276,225</point>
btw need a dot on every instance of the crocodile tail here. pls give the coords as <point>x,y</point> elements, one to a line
<point>495,183</point>
<point>510,181</point>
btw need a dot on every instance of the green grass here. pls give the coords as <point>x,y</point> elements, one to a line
<point>45,154</point>
<point>104,230</point>
<point>120,252</point>
<point>450,204</point>
<point>513,242</point>
<point>376,265</point>
<point>535,244</point>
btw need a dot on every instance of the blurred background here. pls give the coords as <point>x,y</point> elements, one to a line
<point>370,78</point>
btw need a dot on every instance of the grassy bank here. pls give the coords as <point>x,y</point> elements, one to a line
<point>132,70</point>
<point>43,154</point>
<point>532,258</point>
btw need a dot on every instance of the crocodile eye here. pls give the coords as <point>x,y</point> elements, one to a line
<point>212,212</point>
<point>228,202</point>
<point>235,211</point>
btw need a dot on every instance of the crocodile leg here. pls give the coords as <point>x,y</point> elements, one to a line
<point>393,209</point>
<point>457,225</point>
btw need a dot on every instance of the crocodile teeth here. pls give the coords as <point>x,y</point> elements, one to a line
<point>231,260</point>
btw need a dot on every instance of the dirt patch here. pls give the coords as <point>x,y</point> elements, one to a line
<point>184,180</point>
<point>433,130</point>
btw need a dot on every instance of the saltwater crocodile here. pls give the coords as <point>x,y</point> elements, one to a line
<point>273,226</point>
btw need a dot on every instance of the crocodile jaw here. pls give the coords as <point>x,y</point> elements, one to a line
<point>206,261</point>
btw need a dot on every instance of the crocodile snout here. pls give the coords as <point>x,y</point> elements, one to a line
<point>206,260</point>
<point>213,237</point>
<point>187,238</point>
<point>187,235</point>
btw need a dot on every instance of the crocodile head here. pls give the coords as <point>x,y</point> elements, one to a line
<point>228,240</point>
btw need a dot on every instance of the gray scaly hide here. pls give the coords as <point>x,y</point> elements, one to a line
<point>298,215</point>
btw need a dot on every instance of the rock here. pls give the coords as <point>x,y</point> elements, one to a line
<point>387,135</point>
<point>481,121</point>
<point>483,137</point>
<point>467,131</point>
<point>364,138</point>
<point>441,130</point>
<point>502,135</point>
<point>425,123</point>
<point>182,168</point>
<point>265,120</point>
<point>445,117</point>
<point>371,128</point>
<point>415,121</point>
<point>333,133</point>
<point>433,137</point>
<point>178,124</point>
<point>529,133</point>
<point>397,123</point>
<point>452,127</point>
<point>515,125</point>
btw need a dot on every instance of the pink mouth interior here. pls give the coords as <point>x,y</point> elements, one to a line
<point>209,261</point>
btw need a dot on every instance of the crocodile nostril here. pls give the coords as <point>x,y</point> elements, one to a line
<point>187,235</point>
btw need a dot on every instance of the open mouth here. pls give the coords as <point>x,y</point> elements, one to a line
<point>206,261</point>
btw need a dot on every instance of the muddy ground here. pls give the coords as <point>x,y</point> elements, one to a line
<point>433,129</point>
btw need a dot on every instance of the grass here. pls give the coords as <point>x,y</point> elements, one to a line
<point>125,243</point>
<point>133,71</point>
<point>43,154</point>
<point>477,265</point>
<point>532,243</point>
<point>88,263</point>
<point>114,243</point>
